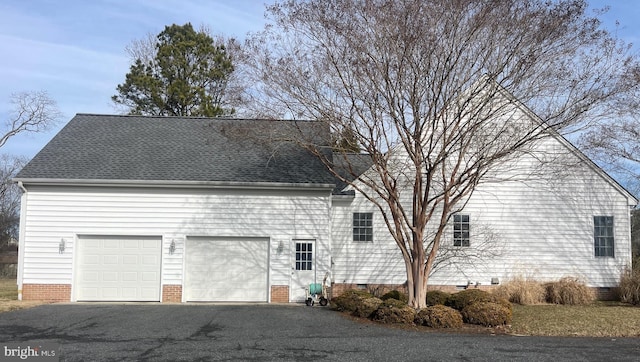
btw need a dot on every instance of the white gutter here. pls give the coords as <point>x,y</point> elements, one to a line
<point>22,230</point>
<point>175,184</point>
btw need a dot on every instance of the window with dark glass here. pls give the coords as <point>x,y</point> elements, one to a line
<point>461,227</point>
<point>363,226</point>
<point>304,256</point>
<point>603,235</point>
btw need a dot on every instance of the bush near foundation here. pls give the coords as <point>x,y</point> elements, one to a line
<point>569,291</point>
<point>488,314</point>
<point>439,316</point>
<point>365,307</point>
<point>629,288</point>
<point>395,294</point>
<point>522,291</point>
<point>437,297</point>
<point>350,300</point>
<point>467,297</point>
<point>394,311</point>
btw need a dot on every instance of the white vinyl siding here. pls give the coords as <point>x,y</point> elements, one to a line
<point>531,220</point>
<point>59,212</point>
<point>358,262</point>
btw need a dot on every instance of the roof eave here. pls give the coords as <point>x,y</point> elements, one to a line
<point>175,184</point>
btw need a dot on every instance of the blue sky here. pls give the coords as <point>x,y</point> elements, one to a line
<point>74,49</point>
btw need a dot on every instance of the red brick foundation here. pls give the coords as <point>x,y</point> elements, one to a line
<point>279,294</point>
<point>172,293</point>
<point>612,293</point>
<point>380,289</point>
<point>47,292</point>
<point>375,289</point>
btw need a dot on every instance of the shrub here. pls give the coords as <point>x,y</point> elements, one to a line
<point>395,294</point>
<point>569,291</point>
<point>439,316</point>
<point>467,297</point>
<point>488,314</point>
<point>521,290</point>
<point>629,288</point>
<point>437,297</point>
<point>350,300</point>
<point>394,311</point>
<point>365,307</point>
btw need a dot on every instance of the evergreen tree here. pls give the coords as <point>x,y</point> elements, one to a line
<point>187,77</point>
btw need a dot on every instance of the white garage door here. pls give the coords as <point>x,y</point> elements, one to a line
<point>118,269</point>
<point>226,270</point>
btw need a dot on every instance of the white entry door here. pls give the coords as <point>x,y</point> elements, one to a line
<point>227,269</point>
<point>117,268</point>
<point>303,269</point>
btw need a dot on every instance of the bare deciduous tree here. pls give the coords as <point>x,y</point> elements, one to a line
<point>9,198</point>
<point>429,89</point>
<point>615,146</point>
<point>30,112</point>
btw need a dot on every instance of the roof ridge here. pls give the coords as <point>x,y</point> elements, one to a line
<point>196,117</point>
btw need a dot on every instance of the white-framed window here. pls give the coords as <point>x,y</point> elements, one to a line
<point>304,256</point>
<point>603,236</point>
<point>461,230</point>
<point>363,226</point>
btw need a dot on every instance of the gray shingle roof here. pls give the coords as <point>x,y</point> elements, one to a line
<point>112,147</point>
<point>350,166</point>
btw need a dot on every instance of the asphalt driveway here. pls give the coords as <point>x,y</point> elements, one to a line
<point>154,332</point>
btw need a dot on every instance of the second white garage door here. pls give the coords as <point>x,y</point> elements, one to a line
<point>227,270</point>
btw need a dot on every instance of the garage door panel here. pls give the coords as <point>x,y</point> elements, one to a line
<point>150,260</point>
<point>118,269</point>
<point>233,270</point>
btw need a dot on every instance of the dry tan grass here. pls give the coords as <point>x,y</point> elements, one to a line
<point>9,297</point>
<point>630,286</point>
<point>521,290</point>
<point>595,320</point>
<point>570,291</point>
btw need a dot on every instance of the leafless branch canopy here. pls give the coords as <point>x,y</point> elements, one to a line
<point>615,144</point>
<point>9,198</point>
<point>429,89</point>
<point>31,112</point>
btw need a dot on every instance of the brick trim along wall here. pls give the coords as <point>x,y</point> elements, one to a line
<point>47,292</point>
<point>279,294</point>
<point>172,293</point>
<point>375,289</point>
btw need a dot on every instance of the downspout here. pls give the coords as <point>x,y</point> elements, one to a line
<point>329,268</point>
<point>21,242</point>
<point>629,235</point>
